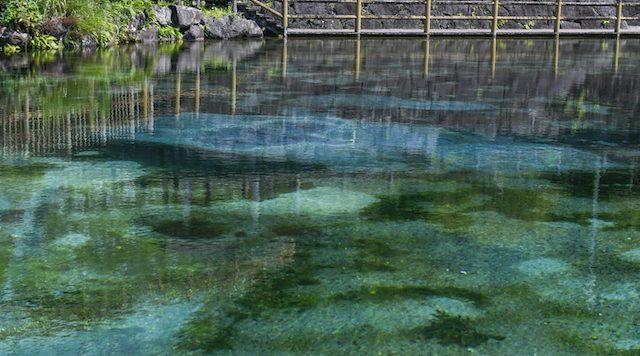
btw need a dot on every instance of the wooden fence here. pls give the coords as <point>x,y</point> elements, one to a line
<point>495,19</point>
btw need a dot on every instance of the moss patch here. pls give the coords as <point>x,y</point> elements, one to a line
<point>453,330</point>
<point>191,228</point>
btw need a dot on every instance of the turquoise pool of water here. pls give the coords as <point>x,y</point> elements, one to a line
<point>322,196</point>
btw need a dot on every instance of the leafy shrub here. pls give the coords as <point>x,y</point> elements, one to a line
<point>23,14</point>
<point>8,49</point>
<point>45,42</point>
<point>169,33</point>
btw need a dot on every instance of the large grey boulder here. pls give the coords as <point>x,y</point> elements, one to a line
<point>183,16</point>
<point>229,27</point>
<point>195,33</point>
<point>162,14</point>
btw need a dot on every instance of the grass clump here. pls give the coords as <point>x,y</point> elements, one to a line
<point>218,12</point>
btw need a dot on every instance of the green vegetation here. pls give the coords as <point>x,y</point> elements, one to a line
<point>218,12</point>
<point>8,49</point>
<point>169,33</point>
<point>84,23</point>
<point>45,42</point>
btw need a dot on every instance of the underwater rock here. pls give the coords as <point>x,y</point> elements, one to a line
<point>87,174</point>
<point>631,256</point>
<point>455,307</point>
<point>620,292</point>
<point>5,204</point>
<point>542,266</point>
<point>148,330</point>
<point>320,201</point>
<point>72,240</point>
<point>352,146</point>
<point>88,153</point>
<point>627,345</point>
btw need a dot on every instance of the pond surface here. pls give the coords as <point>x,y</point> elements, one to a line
<point>325,196</point>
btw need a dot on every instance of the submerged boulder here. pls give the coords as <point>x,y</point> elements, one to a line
<point>542,267</point>
<point>631,256</point>
<point>183,16</point>
<point>228,27</point>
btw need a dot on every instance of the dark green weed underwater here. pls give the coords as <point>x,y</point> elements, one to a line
<point>243,198</point>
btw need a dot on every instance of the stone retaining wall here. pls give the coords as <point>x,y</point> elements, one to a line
<point>316,8</point>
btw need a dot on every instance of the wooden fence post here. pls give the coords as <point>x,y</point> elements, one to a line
<point>427,18</point>
<point>496,9</point>
<point>285,16</point>
<point>358,16</point>
<point>618,17</point>
<point>558,18</point>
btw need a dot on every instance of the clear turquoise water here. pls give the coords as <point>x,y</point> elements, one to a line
<point>401,197</point>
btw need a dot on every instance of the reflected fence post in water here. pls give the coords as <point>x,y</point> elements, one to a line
<point>357,60</point>
<point>426,58</point>
<point>197,99</point>
<point>556,56</point>
<point>27,119</point>
<point>616,55</point>
<point>234,86</point>
<point>494,50</point>
<point>284,59</point>
<point>178,91</point>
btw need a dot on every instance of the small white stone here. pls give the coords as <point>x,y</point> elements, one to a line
<point>72,240</point>
<point>542,266</point>
<point>631,256</point>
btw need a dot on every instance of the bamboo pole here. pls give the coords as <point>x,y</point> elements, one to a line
<point>558,17</point>
<point>427,18</point>
<point>358,16</point>
<point>618,17</point>
<point>496,9</point>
